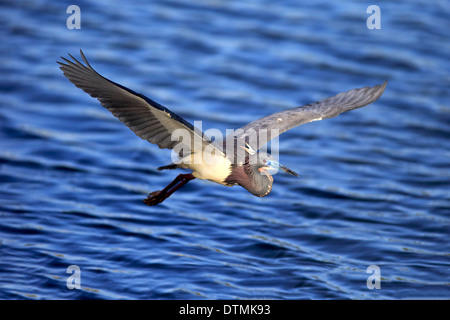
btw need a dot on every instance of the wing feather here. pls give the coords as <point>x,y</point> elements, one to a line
<point>146,118</point>
<point>324,109</point>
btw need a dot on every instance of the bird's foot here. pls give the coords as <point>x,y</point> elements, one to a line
<point>154,198</point>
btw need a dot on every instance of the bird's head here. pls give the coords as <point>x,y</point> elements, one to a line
<point>267,165</point>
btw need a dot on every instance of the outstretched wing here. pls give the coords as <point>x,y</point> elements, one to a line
<point>261,131</point>
<point>146,118</point>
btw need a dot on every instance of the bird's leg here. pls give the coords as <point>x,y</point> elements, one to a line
<point>159,196</point>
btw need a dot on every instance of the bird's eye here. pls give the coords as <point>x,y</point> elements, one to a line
<point>264,161</point>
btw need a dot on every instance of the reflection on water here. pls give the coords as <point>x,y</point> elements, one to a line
<point>374,187</point>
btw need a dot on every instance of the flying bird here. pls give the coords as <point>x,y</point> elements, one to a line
<point>237,160</point>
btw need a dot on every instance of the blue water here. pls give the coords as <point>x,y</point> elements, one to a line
<point>374,186</point>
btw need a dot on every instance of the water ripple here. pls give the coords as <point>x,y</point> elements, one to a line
<point>374,182</point>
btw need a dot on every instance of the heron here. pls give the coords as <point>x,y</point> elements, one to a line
<point>237,160</point>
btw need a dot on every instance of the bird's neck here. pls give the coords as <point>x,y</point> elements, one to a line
<point>251,179</point>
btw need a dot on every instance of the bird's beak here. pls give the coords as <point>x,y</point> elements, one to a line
<point>272,167</point>
<point>287,170</point>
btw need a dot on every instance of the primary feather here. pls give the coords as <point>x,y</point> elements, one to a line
<point>146,118</point>
<point>269,127</point>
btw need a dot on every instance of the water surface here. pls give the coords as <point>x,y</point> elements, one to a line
<point>374,186</point>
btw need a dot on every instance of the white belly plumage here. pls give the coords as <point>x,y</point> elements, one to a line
<point>216,168</point>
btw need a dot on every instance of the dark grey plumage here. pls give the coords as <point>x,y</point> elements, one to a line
<point>146,118</point>
<point>251,177</point>
<point>277,123</point>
